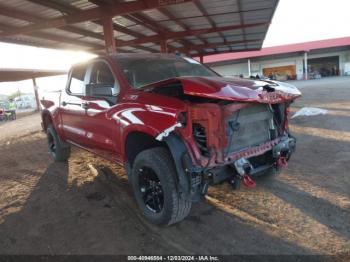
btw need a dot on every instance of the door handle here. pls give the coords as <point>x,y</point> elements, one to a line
<point>85,105</point>
<point>64,103</point>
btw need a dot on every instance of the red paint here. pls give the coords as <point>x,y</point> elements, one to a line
<point>248,181</point>
<point>282,162</point>
<point>103,129</point>
<point>242,90</point>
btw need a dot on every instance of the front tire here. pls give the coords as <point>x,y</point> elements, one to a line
<point>59,151</point>
<point>153,178</point>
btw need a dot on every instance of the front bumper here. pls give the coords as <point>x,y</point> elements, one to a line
<point>285,145</point>
<point>280,152</point>
<point>270,156</point>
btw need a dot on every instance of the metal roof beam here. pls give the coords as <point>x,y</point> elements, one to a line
<point>72,10</point>
<point>8,75</point>
<point>93,14</point>
<point>136,18</point>
<point>108,35</point>
<point>239,5</point>
<point>146,22</point>
<point>209,19</point>
<point>184,42</point>
<point>216,14</point>
<point>212,45</point>
<point>57,38</point>
<point>9,12</point>
<point>182,34</point>
<point>225,52</point>
<point>121,28</point>
<point>55,5</point>
<point>160,30</point>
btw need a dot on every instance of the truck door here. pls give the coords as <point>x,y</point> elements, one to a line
<point>101,95</point>
<point>71,109</point>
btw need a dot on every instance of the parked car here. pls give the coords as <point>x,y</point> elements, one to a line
<point>174,124</point>
<point>5,111</point>
<point>25,101</point>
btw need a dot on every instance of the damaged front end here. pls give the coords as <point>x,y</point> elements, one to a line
<point>229,133</point>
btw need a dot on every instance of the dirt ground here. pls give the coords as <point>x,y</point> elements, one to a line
<point>24,124</point>
<point>86,206</point>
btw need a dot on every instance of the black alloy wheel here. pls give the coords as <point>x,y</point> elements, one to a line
<point>154,181</point>
<point>151,190</point>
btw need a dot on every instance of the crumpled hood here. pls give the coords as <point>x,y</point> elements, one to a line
<point>236,89</point>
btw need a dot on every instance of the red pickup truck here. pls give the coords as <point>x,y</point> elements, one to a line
<point>174,124</point>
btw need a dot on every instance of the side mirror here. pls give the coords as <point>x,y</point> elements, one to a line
<point>100,90</point>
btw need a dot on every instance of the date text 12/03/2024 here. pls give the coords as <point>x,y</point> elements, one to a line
<point>173,258</point>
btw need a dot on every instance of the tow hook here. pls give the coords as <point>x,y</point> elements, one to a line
<point>282,162</point>
<point>243,168</point>
<point>281,152</point>
<point>248,181</point>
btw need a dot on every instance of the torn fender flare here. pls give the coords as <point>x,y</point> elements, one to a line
<point>184,167</point>
<point>167,131</point>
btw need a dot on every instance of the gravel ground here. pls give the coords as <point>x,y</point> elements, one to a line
<point>86,206</point>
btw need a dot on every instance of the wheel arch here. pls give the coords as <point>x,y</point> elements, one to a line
<point>136,142</point>
<point>46,119</point>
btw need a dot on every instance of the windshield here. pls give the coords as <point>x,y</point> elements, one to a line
<point>144,70</point>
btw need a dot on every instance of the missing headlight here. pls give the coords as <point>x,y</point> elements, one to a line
<point>200,137</point>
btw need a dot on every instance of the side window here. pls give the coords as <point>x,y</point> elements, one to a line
<point>77,85</point>
<point>101,74</point>
<point>102,81</point>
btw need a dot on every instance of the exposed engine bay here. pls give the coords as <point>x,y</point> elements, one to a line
<point>242,139</point>
<point>235,140</point>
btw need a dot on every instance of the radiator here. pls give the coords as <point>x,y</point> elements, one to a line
<point>249,126</point>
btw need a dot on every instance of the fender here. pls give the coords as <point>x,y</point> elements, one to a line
<point>144,118</point>
<point>45,114</point>
<point>189,179</point>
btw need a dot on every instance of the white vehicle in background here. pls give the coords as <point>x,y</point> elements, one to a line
<point>25,102</point>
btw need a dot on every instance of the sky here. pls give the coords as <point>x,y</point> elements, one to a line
<point>294,21</point>
<point>28,57</point>
<point>297,21</point>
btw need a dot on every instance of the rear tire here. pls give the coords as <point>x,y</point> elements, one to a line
<point>153,178</point>
<point>59,151</point>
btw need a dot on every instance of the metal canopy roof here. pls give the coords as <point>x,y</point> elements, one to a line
<point>194,27</point>
<point>8,75</point>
